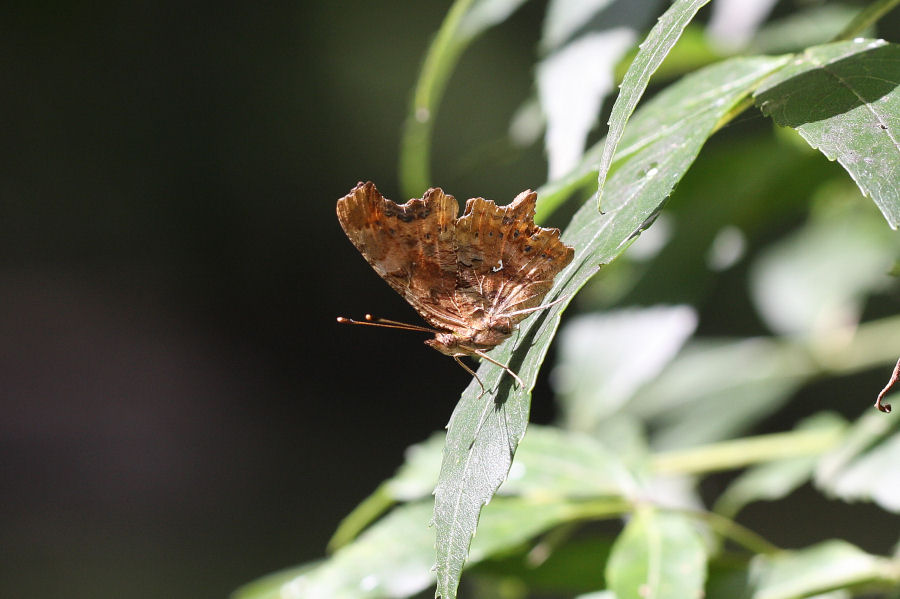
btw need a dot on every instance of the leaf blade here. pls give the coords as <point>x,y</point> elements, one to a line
<point>465,21</point>
<point>822,567</point>
<point>658,556</point>
<point>844,100</point>
<point>653,51</point>
<point>472,469</point>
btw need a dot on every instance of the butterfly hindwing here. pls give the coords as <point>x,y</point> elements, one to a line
<point>506,262</point>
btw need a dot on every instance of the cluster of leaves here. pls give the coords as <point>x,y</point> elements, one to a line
<point>646,406</point>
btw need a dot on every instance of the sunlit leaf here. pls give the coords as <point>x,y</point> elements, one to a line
<point>598,595</point>
<point>822,567</point>
<point>269,586</point>
<point>551,462</point>
<point>815,25</point>
<point>565,18</point>
<point>473,468</point>
<point>867,466</point>
<point>393,558</point>
<point>605,358</point>
<point>465,21</point>
<point>484,14</point>
<point>818,278</point>
<point>843,98</point>
<point>733,22</point>
<point>715,389</point>
<point>584,44</point>
<point>866,432</point>
<point>572,83</point>
<point>724,191</point>
<point>659,555</point>
<point>558,567</point>
<point>776,479</point>
<point>653,51</point>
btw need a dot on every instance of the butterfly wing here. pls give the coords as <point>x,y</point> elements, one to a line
<point>506,262</point>
<point>411,246</point>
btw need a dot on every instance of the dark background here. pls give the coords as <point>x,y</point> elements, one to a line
<point>180,411</point>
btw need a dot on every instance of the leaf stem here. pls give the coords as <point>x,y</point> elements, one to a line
<point>730,455</point>
<point>867,17</point>
<point>725,527</point>
<point>728,528</point>
<point>362,515</point>
<point>415,146</point>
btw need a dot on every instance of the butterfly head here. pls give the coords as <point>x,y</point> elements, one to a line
<point>453,344</point>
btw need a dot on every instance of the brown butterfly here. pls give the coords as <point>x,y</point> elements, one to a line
<point>472,278</point>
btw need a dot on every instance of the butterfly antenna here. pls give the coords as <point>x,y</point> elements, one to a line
<point>385,323</point>
<point>481,354</point>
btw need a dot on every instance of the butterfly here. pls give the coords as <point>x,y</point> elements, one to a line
<point>472,278</point>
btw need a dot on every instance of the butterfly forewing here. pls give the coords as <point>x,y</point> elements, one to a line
<point>411,246</point>
<point>476,276</point>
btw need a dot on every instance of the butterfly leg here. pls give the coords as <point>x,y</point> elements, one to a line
<point>473,373</point>
<point>536,308</point>
<point>481,354</point>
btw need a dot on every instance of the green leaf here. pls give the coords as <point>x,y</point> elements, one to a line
<point>393,558</point>
<point>867,465</point>
<point>269,586</point>
<point>868,430</point>
<point>416,477</point>
<point>554,568</point>
<point>819,277</point>
<point>508,522</point>
<point>552,462</point>
<point>775,480</point>
<point>566,18</point>
<point>571,95</point>
<point>653,51</point>
<point>414,480</point>
<point>605,358</point>
<point>803,28</point>
<point>465,21</point>
<point>659,555</point>
<point>823,567</point>
<point>390,559</point>
<point>843,99</point>
<point>715,389</point>
<point>677,116</point>
<point>584,44</point>
<point>473,468</point>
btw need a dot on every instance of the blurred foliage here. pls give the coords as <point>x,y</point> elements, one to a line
<point>649,405</point>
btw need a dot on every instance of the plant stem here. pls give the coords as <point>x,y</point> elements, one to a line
<point>730,455</point>
<point>867,17</point>
<point>362,515</point>
<point>730,529</point>
<point>415,147</point>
